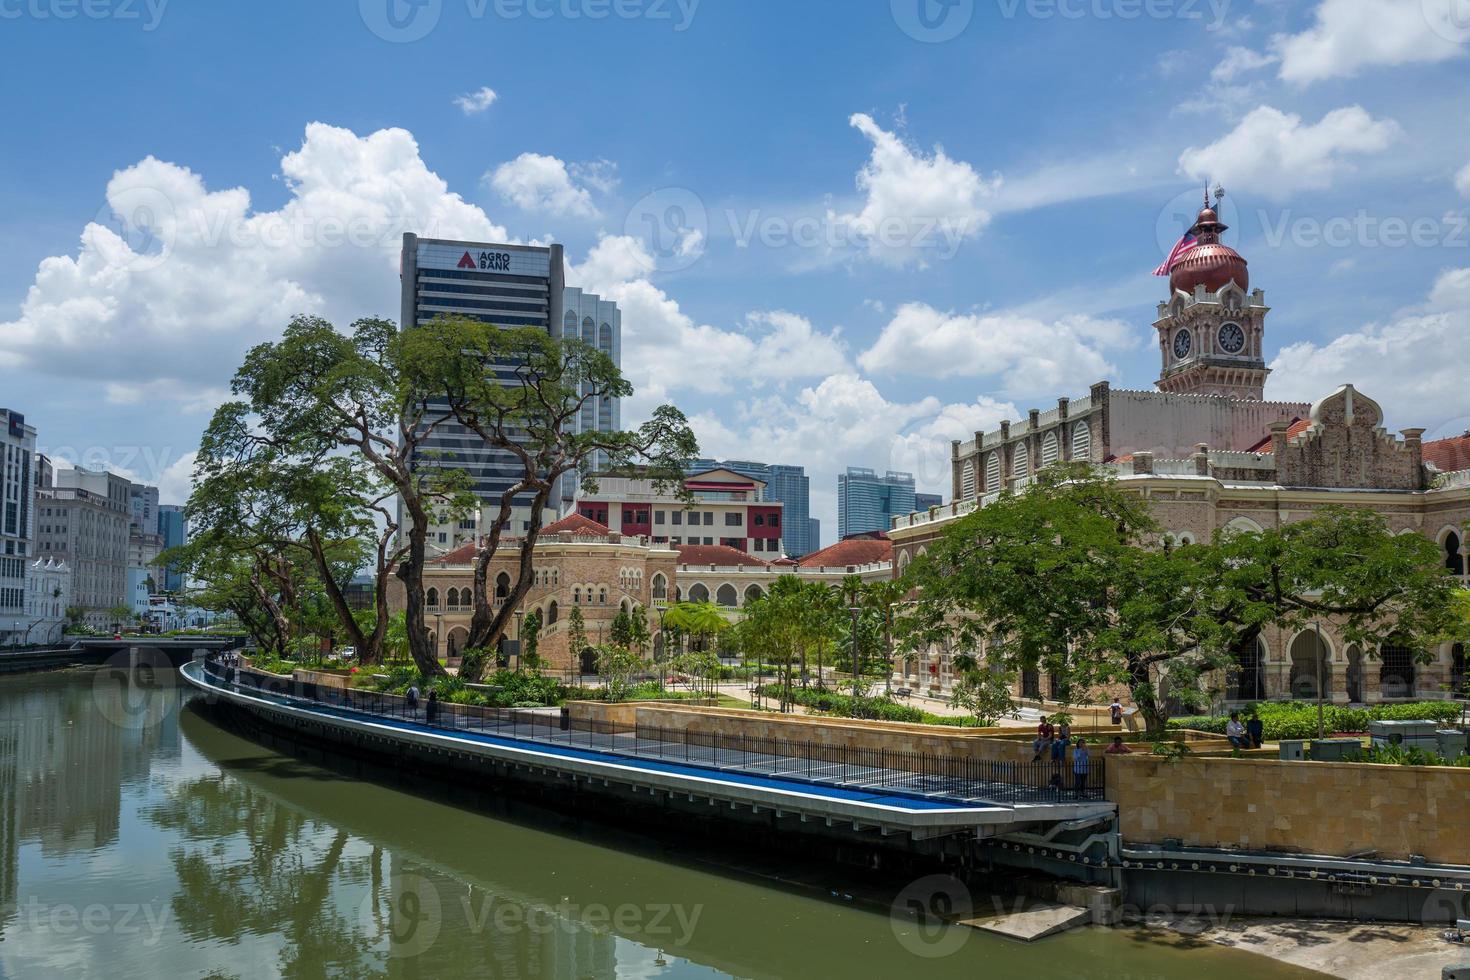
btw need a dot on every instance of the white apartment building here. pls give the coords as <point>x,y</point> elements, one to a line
<point>17,517</point>
<point>48,594</point>
<point>728,508</point>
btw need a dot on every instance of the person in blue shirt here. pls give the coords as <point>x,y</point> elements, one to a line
<point>1081,765</point>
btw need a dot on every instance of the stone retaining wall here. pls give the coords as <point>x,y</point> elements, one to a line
<point>1334,808</point>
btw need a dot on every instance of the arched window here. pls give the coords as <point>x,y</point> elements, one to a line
<point>433,597</point>
<point>726,596</point>
<point>569,324</point>
<point>1309,660</point>
<point>589,331</point>
<point>752,593</point>
<point>452,600</point>
<point>698,592</point>
<point>967,479</point>
<point>992,472</point>
<point>576,595</point>
<point>604,338</point>
<point>660,587</point>
<point>1021,461</point>
<point>502,585</point>
<point>551,613</point>
<point>1453,560</point>
<point>1082,441</point>
<point>1248,674</point>
<point>601,595</point>
<point>1396,671</point>
<point>1050,449</point>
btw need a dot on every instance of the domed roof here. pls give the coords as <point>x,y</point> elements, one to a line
<point>1209,263</point>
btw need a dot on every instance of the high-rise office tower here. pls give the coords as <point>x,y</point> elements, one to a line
<point>869,502</point>
<point>507,285</point>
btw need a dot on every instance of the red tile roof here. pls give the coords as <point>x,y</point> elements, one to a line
<point>576,524</point>
<point>719,555</point>
<point>1298,426</point>
<point>463,555</point>
<point>1449,455</point>
<point>856,549</point>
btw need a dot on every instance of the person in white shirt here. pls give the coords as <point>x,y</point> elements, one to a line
<point>1235,731</point>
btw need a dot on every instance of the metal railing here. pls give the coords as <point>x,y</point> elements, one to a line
<point>901,771</point>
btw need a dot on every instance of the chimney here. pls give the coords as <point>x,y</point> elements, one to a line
<point>1201,459</point>
<point>1143,464</point>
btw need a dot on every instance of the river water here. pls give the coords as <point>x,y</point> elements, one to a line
<point>139,838</point>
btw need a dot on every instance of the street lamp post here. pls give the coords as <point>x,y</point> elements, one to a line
<point>1321,656</point>
<point>663,644</point>
<point>519,614</point>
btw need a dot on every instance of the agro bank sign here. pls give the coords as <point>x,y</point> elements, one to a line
<point>508,260</point>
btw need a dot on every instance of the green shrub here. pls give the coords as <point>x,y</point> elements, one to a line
<point>1298,719</point>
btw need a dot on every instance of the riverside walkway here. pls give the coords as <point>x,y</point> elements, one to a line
<point>921,795</point>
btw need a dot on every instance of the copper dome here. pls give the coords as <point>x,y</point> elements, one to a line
<point>1209,263</point>
<point>1214,265</point>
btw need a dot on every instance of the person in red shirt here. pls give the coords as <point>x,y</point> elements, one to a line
<point>1044,735</point>
<point>1118,748</point>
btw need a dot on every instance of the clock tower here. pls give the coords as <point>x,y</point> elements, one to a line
<point>1211,329</point>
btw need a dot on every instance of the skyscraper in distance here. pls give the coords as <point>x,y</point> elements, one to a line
<point>869,502</point>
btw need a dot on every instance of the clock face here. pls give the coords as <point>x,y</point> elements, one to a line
<point>1232,338</point>
<point>1181,344</point>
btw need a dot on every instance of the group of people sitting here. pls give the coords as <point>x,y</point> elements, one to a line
<point>1245,736</point>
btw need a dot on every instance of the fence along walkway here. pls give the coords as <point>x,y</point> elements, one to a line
<point>895,771</point>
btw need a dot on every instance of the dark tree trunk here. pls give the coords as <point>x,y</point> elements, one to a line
<point>489,624</point>
<point>411,574</point>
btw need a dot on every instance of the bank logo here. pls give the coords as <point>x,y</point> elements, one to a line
<point>400,21</point>
<point>932,21</point>
<point>468,262</point>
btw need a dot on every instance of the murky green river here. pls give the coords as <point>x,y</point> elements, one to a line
<point>138,838</point>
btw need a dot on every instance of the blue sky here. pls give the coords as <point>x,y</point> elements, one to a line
<point>872,236</point>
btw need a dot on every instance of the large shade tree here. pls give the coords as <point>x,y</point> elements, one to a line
<point>522,391</point>
<point>1071,576</point>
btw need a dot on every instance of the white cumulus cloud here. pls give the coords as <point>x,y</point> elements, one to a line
<point>1349,35</point>
<point>476,102</point>
<point>1022,354</point>
<point>1275,154</point>
<point>174,281</point>
<point>916,205</point>
<point>1414,364</point>
<point>536,182</point>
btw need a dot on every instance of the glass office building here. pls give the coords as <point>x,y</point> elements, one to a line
<point>869,502</point>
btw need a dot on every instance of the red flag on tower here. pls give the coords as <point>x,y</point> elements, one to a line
<point>1180,247</point>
